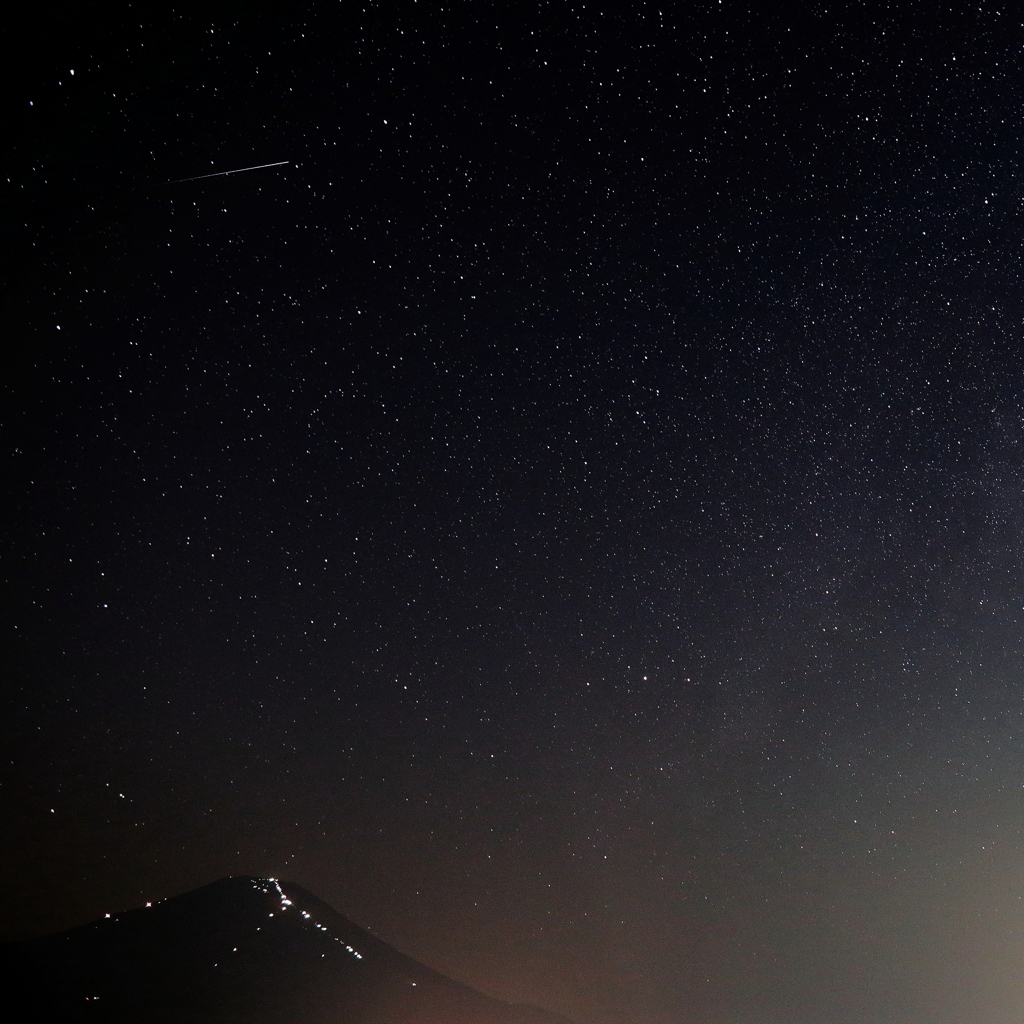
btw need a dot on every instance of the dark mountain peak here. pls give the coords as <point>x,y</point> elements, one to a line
<point>239,950</point>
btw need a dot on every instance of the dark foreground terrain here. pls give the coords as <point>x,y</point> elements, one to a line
<point>239,951</point>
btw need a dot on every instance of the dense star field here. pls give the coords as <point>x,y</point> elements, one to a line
<point>569,517</point>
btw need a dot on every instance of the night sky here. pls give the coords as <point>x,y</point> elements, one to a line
<point>570,518</point>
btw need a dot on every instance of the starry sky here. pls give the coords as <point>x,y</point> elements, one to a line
<point>569,517</point>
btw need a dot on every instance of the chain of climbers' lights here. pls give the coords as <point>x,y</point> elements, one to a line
<point>286,903</point>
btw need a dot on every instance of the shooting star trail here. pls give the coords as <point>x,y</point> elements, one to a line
<point>221,174</point>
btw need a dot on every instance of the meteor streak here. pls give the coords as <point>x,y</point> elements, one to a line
<point>221,174</point>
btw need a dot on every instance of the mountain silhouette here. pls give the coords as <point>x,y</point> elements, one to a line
<point>238,951</point>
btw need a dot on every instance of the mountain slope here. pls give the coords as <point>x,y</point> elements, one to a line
<point>238,951</point>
